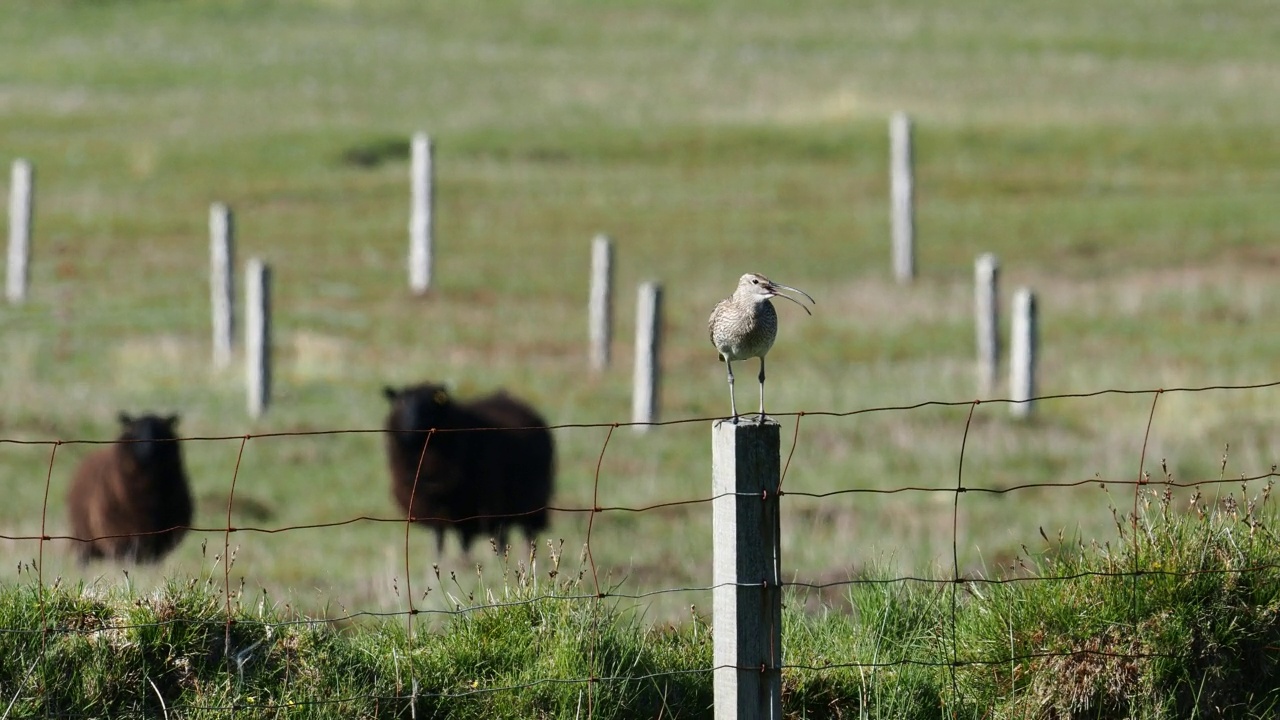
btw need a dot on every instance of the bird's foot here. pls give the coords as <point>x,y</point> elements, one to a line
<point>752,419</point>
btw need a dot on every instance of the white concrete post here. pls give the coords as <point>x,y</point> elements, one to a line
<point>746,570</point>
<point>644,397</point>
<point>21,215</point>
<point>600,311</point>
<point>902,197</point>
<point>986,315</point>
<point>1023,351</point>
<point>422,214</point>
<point>222,282</point>
<point>258,335</point>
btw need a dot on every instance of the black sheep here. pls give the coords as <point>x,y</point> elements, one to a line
<point>130,500</point>
<point>479,482</point>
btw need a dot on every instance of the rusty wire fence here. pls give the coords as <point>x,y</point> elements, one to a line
<point>957,584</point>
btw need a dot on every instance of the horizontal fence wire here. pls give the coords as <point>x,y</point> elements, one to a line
<point>598,592</point>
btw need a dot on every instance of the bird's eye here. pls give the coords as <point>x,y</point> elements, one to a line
<point>754,281</point>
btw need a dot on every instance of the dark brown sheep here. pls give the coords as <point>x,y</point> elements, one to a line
<point>479,482</point>
<point>130,500</point>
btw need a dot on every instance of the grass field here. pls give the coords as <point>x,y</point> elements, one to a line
<point>1123,162</point>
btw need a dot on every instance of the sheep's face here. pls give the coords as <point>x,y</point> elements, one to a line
<point>416,409</point>
<point>149,438</point>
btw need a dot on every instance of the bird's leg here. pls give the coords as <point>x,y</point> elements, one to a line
<point>733,406</point>
<point>762,388</point>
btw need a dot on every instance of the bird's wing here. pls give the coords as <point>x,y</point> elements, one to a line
<point>711,322</point>
<point>711,325</point>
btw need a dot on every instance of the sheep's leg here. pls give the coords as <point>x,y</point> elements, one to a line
<point>439,541</point>
<point>89,551</point>
<point>529,533</point>
<point>133,549</point>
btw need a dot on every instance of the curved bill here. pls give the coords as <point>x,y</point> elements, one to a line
<point>773,286</point>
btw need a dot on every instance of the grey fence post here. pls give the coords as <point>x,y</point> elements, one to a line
<point>746,571</point>
<point>258,335</point>
<point>1023,351</point>
<point>422,213</point>
<point>986,311</point>
<point>600,310</point>
<point>644,396</point>
<point>902,192</point>
<point>222,282</point>
<point>21,213</point>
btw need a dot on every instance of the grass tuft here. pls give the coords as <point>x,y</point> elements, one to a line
<point>1173,619</point>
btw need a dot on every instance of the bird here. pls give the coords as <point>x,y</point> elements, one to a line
<point>745,324</point>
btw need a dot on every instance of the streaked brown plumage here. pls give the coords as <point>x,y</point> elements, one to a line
<point>745,324</point>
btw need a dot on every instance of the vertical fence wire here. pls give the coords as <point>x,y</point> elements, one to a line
<point>45,626</point>
<point>595,577</point>
<point>226,555</point>
<point>956,579</point>
<point>1137,492</point>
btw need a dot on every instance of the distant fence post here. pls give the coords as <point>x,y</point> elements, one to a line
<point>1022,351</point>
<point>746,571</point>
<point>902,191</point>
<point>644,397</point>
<point>222,282</point>
<point>21,206</point>
<point>258,335</point>
<point>422,213</point>
<point>986,309</point>
<point>600,311</point>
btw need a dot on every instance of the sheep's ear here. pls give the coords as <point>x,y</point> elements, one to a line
<point>124,418</point>
<point>441,397</point>
<point>171,421</point>
<point>389,392</point>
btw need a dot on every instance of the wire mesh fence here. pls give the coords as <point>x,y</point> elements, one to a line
<point>958,581</point>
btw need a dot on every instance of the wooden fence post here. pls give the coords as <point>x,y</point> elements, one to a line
<point>21,213</point>
<point>902,191</point>
<point>258,335</point>
<point>422,213</point>
<point>222,282</point>
<point>746,570</point>
<point>1023,351</point>
<point>644,397</point>
<point>986,309</point>
<point>600,311</point>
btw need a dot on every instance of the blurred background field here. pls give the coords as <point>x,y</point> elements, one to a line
<point>1121,161</point>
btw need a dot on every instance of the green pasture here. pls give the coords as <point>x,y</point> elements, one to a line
<point>1121,160</point>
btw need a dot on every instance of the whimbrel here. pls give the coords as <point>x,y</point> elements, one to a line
<point>745,324</point>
